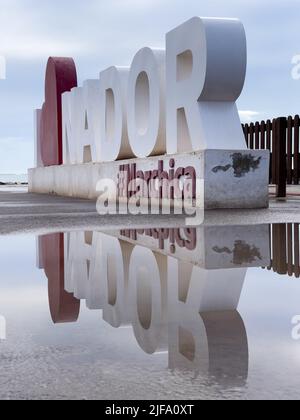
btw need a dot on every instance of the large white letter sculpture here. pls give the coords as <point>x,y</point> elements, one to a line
<point>81,124</point>
<point>206,67</point>
<point>175,106</point>
<point>178,100</point>
<point>114,139</point>
<point>146,103</point>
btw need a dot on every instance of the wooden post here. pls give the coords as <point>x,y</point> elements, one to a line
<point>273,160</point>
<point>296,250</point>
<point>279,249</point>
<point>296,150</point>
<point>281,166</point>
<point>289,151</point>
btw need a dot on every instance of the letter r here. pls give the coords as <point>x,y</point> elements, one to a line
<point>205,68</point>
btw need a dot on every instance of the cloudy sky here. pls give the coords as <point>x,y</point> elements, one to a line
<point>100,33</point>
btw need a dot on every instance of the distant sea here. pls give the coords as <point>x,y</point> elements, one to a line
<point>13,178</point>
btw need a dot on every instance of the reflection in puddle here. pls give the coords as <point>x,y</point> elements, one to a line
<point>285,249</point>
<point>178,289</point>
<point>186,313</point>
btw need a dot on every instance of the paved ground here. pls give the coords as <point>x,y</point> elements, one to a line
<point>22,212</point>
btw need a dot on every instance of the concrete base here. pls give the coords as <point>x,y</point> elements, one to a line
<point>209,247</point>
<point>225,178</point>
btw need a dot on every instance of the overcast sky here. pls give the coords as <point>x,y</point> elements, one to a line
<point>101,33</point>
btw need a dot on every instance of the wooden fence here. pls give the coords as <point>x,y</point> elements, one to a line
<point>281,137</point>
<point>285,250</point>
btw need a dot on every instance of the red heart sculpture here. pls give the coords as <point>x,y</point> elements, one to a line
<point>64,307</point>
<point>61,76</point>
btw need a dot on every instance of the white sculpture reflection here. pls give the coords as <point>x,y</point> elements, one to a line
<point>206,330</point>
<point>114,282</point>
<point>148,299</point>
<point>173,303</point>
<point>78,255</point>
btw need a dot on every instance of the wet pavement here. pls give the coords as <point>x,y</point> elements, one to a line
<point>24,213</point>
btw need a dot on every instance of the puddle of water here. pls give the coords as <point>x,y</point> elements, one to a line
<point>151,314</point>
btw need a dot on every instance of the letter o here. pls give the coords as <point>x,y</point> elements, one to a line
<point>146,103</point>
<point>147,298</point>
